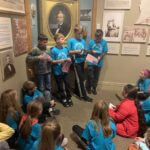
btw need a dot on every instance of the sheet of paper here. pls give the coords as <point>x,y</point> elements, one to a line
<point>113,48</point>
<point>66,66</point>
<point>92,59</point>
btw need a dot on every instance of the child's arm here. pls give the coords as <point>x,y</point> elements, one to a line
<point>75,51</point>
<point>5,132</point>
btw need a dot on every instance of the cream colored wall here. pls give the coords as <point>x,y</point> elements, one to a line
<point>16,81</point>
<point>119,70</point>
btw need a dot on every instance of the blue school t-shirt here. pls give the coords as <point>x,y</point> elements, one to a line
<point>144,84</point>
<point>33,140</point>
<point>28,98</point>
<point>58,147</point>
<point>97,139</point>
<point>77,44</point>
<point>100,47</point>
<point>146,108</point>
<point>58,54</point>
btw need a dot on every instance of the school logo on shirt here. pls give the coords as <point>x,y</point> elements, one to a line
<point>61,56</point>
<point>78,46</point>
<point>98,47</point>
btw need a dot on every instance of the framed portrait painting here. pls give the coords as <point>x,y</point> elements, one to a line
<point>58,17</point>
<point>112,25</point>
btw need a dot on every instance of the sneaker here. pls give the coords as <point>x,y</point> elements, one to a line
<point>55,111</point>
<point>65,104</point>
<point>94,91</point>
<point>70,103</point>
<point>87,99</point>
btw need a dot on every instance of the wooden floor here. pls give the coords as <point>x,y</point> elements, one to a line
<point>80,113</point>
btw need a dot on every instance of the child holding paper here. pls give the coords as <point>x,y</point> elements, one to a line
<point>97,48</point>
<point>60,56</point>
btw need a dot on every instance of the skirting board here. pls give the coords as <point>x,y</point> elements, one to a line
<point>104,85</point>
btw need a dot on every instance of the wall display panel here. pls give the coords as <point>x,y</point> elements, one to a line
<point>58,17</point>
<point>130,49</point>
<point>85,15</point>
<point>112,25</point>
<point>144,17</point>
<point>117,4</point>
<point>7,64</point>
<point>136,34</point>
<point>5,33</point>
<point>20,35</point>
<point>148,51</point>
<point>16,6</point>
<point>113,48</point>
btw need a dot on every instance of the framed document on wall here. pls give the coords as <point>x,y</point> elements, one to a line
<point>15,6</point>
<point>58,17</point>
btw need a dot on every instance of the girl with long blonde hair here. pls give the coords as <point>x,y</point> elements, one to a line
<point>100,129</point>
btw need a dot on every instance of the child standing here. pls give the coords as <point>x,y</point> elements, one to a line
<point>59,55</point>
<point>76,46</point>
<point>99,131</point>
<point>10,112</point>
<point>51,135</point>
<point>41,61</point>
<point>98,48</point>
<point>30,129</point>
<point>128,116</point>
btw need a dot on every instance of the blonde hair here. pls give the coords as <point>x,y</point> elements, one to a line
<point>33,111</point>
<point>50,133</point>
<point>28,85</point>
<point>57,36</point>
<point>9,104</point>
<point>78,27</point>
<point>100,115</point>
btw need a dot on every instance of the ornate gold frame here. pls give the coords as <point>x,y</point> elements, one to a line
<point>46,7</point>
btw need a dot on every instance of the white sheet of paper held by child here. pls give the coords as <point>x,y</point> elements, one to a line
<point>112,106</point>
<point>92,59</point>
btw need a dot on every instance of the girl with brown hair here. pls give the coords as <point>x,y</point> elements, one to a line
<point>30,129</point>
<point>99,130</point>
<point>10,112</point>
<point>52,139</point>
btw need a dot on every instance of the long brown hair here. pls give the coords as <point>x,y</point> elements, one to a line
<point>33,111</point>
<point>9,104</point>
<point>100,114</point>
<point>50,133</point>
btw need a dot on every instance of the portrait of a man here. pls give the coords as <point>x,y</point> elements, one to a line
<point>60,19</point>
<point>8,68</point>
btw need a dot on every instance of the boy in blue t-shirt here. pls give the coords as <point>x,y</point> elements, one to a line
<point>98,48</point>
<point>60,56</point>
<point>76,46</point>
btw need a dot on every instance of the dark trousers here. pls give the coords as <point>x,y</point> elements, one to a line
<point>63,86</point>
<point>93,77</point>
<point>81,78</point>
<point>78,130</point>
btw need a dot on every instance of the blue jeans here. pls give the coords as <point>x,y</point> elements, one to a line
<point>44,83</point>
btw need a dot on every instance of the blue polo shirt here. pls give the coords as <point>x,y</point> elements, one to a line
<point>97,139</point>
<point>100,47</point>
<point>33,140</point>
<point>58,54</point>
<point>146,108</point>
<point>77,44</point>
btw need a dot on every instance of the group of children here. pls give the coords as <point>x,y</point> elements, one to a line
<point>30,128</point>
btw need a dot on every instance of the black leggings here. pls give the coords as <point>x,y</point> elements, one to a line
<point>78,130</point>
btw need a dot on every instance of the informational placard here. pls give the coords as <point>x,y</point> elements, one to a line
<point>112,25</point>
<point>135,34</point>
<point>117,4</point>
<point>148,51</point>
<point>20,35</point>
<point>12,6</point>
<point>5,33</point>
<point>130,49</point>
<point>144,17</point>
<point>113,48</point>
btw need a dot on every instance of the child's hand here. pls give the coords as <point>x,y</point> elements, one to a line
<point>99,58</point>
<point>68,59</point>
<point>139,139</point>
<point>94,51</point>
<point>41,57</point>
<point>49,58</point>
<point>53,103</point>
<point>111,106</point>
